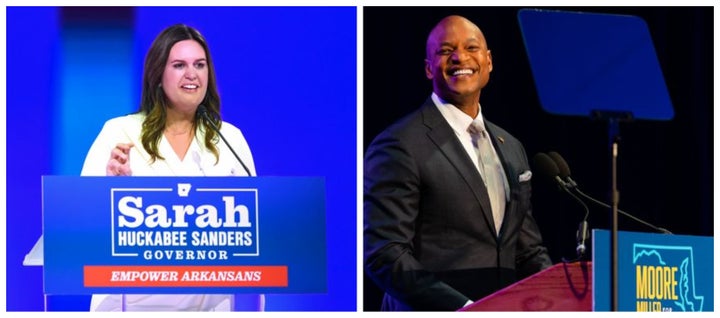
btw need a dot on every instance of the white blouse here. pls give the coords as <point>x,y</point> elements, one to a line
<point>198,161</point>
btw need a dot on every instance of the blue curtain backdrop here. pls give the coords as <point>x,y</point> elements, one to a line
<point>286,77</point>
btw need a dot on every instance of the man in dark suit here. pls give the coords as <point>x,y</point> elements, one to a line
<point>448,217</point>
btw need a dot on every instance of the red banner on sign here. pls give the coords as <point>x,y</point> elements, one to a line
<point>185,276</point>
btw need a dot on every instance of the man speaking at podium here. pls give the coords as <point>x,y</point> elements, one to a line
<point>447,206</point>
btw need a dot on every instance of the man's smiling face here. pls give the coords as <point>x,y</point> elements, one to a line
<point>458,61</point>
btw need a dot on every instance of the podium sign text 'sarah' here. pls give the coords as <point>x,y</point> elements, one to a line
<point>184,235</point>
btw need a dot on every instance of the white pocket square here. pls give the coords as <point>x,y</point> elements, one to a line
<point>525,176</point>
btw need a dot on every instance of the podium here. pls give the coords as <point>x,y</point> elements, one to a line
<point>182,235</point>
<point>658,272</point>
<point>561,287</point>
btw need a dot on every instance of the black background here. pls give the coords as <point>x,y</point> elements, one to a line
<point>665,170</point>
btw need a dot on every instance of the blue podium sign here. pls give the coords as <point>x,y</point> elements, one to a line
<point>656,272</point>
<point>184,235</point>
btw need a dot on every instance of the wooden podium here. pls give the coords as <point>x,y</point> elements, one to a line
<point>561,287</point>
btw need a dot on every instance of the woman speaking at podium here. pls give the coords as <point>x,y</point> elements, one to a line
<point>175,133</point>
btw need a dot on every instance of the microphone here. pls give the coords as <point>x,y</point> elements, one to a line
<point>202,113</point>
<point>549,168</point>
<point>563,167</point>
<point>583,232</point>
<point>564,170</point>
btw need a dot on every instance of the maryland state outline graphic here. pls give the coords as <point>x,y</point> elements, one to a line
<point>665,278</point>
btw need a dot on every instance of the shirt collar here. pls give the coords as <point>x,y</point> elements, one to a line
<point>458,120</point>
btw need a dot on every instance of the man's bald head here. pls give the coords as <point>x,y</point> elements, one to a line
<point>447,24</point>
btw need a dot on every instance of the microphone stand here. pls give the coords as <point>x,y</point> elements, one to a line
<point>613,237</point>
<point>630,216</point>
<point>613,118</point>
<point>202,113</point>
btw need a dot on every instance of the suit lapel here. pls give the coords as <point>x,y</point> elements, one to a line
<point>442,135</point>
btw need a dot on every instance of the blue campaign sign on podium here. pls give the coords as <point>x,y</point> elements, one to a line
<point>656,272</point>
<point>184,235</point>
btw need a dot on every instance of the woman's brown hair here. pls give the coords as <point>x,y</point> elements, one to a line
<point>154,103</point>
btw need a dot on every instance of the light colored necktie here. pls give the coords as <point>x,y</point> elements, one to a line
<point>491,170</point>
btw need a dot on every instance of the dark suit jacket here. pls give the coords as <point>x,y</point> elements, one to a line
<point>429,238</point>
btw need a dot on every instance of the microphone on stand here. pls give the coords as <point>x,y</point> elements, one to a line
<point>549,168</point>
<point>564,171</point>
<point>583,232</point>
<point>563,168</point>
<point>202,113</point>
